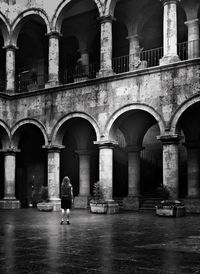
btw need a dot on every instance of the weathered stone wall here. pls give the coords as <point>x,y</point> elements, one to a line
<point>163,89</point>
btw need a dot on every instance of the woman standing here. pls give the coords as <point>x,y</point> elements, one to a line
<point>66,198</point>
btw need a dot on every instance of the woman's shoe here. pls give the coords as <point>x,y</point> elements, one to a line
<point>62,222</point>
<point>68,223</point>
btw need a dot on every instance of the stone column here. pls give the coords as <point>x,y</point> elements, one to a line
<point>193,38</point>
<point>170,32</point>
<point>9,201</point>
<point>193,171</point>
<point>10,68</point>
<point>106,46</point>
<point>53,176</point>
<point>84,179</point>
<point>170,163</point>
<point>106,173</point>
<point>53,73</point>
<point>134,53</point>
<point>132,201</point>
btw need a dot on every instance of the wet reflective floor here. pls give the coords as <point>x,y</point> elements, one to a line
<point>35,242</point>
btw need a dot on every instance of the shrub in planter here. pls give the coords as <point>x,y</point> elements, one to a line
<point>173,208</point>
<point>98,204</point>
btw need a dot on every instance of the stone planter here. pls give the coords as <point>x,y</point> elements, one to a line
<point>44,206</point>
<point>100,208</point>
<point>170,209</point>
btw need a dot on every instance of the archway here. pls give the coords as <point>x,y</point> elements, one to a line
<point>78,19</point>
<point>32,55</point>
<point>79,158</point>
<point>189,168</point>
<point>138,156</point>
<point>31,164</point>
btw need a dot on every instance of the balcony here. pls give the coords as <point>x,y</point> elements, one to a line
<point>149,58</point>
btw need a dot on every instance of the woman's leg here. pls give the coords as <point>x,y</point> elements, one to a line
<point>68,214</point>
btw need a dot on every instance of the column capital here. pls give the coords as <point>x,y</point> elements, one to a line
<point>106,144</point>
<point>170,139</point>
<point>165,2</point>
<point>83,152</point>
<point>53,148</point>
<point>107,18</point>
<point>10,151</point>
<point>134,148</point>
<point>192,22</point>
<point>133,37</point>
<point>10,47</point>
<point>54,34</point>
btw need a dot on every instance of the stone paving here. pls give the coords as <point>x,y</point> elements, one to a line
<point>129,242</point>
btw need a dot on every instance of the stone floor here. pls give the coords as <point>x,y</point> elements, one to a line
<point>35,242</point>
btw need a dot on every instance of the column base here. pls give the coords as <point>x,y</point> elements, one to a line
<point>192,205</point>
<point>138,65</point>
<point>131,203</point>
<point>104,73</point>
<point>113,207</point>
<point>51,84</point>
<point>81,202</point>
<point>9,204</point>
<point>169,59</point>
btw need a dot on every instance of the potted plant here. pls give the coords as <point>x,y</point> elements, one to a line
<point>98,204</point>
<point>173,208</point>
<point>44,205</point>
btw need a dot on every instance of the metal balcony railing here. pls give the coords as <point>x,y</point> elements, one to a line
<point>79,73</point>
<point>27,81</point>
<point>146,58</point>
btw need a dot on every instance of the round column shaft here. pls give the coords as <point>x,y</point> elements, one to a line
<point>170,164</point>
<point>193,38</point>
<point>9,180</point>
<point>106,46</point>
<point>193,164</point>
<point>170,31</point>
<point>134,52</point>
<point>53,58</point>
<point>84,173</point>
<point>10,68</point>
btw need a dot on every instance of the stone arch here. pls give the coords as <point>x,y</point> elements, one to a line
<point>18,22</point>
<point>5,28</point>
<point>15,132</point>
<point>127,108</point>
<point>109,7</point>
<point>55,133</point>
<point>5,134</point>
<point>57,21</point>
<point>176,116</point>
